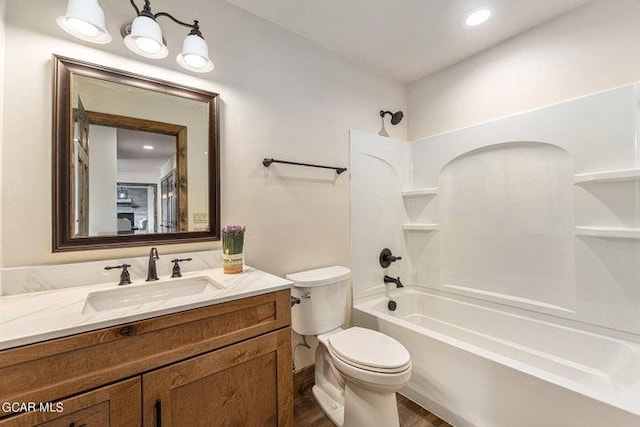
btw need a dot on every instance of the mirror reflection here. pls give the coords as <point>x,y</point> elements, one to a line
<point>139,161</point>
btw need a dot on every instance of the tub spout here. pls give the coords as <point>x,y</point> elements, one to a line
<point>396,281</point>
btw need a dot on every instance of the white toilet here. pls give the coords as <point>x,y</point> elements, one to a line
<point>358,371</point>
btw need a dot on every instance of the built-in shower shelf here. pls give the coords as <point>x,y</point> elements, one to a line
<point>420,227</point>
<point>417,192</point>
<point>609,232</point>
<point>609,176</point>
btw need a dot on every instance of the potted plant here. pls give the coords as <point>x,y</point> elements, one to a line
<point>232,248</point>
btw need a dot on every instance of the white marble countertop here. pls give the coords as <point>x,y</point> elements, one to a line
<point>40,316</point>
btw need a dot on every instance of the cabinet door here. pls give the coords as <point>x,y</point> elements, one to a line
<point>246,384</point>
<point>117,405</point>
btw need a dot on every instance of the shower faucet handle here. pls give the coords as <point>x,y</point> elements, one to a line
<point>386,258</point>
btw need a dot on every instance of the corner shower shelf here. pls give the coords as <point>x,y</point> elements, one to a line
<point>420,192</point>
<point>609,232</point>
<point>609,176</point>
<point>420,227</point>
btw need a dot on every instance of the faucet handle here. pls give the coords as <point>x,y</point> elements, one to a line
<point>176,266</point>
<point>386,258</point>
<point>125,277</point>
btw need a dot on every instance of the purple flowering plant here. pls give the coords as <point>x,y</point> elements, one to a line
<point>233,239</point>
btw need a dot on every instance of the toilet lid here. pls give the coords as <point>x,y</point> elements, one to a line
<point>365,347</point>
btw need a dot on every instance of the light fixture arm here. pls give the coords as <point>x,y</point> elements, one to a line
<point>135,7</point>
<point>195,28</point>
<point>146,11</point>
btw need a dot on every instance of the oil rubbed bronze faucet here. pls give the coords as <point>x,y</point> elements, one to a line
<point>152,272</point>
<point>396,281</point>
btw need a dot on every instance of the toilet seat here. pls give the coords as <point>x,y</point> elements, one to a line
<point>373,380</point>
<point>369,350</point>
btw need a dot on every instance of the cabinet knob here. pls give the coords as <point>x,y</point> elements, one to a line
<point>126,331</point>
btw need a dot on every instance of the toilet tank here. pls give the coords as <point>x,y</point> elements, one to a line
<point>323,299</point>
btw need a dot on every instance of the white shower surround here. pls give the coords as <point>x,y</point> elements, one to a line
<point>420,198</point>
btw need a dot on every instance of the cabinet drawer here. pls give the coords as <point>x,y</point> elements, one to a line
<point>117,405</point>
<point>66,366</point>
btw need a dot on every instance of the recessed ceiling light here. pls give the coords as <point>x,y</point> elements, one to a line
<point>148,147</point>
<point>477,17</point>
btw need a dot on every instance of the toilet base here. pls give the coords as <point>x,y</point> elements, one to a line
<point>362,408</point>
<point>366,408</point>
<point>333,409</point>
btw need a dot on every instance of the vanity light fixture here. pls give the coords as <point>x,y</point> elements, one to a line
<point>144,37</point>
<point>85,19</point>
<point>477,17</point>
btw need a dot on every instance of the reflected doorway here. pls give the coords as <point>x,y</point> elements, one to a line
<point>168,205</point>
<point>137,208</point>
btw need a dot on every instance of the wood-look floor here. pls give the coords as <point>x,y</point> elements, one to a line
<point>307,413</point>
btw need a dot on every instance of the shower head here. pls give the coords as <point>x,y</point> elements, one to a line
<point>395,117</point>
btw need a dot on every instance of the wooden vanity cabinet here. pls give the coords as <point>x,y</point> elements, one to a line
<point>114,405</point>
<point>223,365</point>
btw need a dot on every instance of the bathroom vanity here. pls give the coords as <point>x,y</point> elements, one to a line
<point>226,361</point>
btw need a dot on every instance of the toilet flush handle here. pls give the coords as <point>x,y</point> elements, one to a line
<point>295,301</point>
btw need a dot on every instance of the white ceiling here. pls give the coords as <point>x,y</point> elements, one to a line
<point>131,142</point>
<point>406,39</point>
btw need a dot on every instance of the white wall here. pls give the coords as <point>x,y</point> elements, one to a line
<point>590,49</point>
<point>2,55</point>
<point>282,96</point>
<point>103,149</point>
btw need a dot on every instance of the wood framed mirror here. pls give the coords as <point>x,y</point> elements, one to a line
<point>136,161</point>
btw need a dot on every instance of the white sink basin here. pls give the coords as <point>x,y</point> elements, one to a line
<point>126,296</point>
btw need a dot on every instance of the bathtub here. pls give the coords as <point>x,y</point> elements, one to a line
<point>475,365</point>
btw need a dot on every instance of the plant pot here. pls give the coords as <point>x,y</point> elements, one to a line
<point>232,263</point>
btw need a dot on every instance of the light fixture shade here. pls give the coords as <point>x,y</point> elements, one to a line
<point>195,55</point>
<point>85,20</point>
<point>145,38</point>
